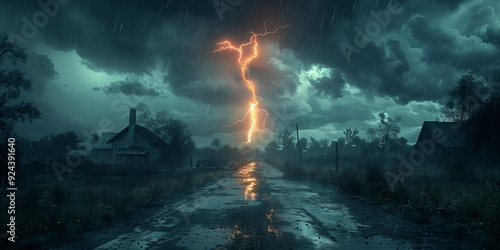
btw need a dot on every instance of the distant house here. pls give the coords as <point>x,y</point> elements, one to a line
<point>135,145</point>
<point>446,137</point>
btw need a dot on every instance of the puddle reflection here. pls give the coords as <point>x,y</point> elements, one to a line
<point>253,188</point>
<point>249,193</point>
<point>247,170</point>
<point>270,215</point>
<point>271,229</point>
<point>249,181</point>
<point>238,233</point>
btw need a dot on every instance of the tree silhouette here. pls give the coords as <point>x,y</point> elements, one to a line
<point>386,131</point>
<point>215,144</point>
<point>464,100</point>
<point>272,147</point>
<point>174,132</point>
<point>287,141</point>
<point>95,138</point>
<point>483,129</point>
<point>55,146</point>
<point>12,84</point>
<point>323,143</point>
<point>314,146</point>
<point>350,135</point>
<point>304,143</point>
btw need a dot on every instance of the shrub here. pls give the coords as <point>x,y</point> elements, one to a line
<point>375,179</point>
<point>374,173</point>
<point>324,176</point>
<point>349,181</point>
<point>58,195</point>
<point>459,167</point>
<point>293,172</point>
<point>141,197</point>
<point>400,195</point>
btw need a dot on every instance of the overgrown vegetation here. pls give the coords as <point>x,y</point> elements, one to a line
<point>468,208</point>
<point>50,212</point>
<point>446,189</point>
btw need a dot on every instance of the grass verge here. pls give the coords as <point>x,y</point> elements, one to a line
<point>469,208</point>
<point>49,212</point>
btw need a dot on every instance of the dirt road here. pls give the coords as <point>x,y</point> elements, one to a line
<point>257,209</point>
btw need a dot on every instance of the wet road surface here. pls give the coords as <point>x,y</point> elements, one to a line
<point>257,209</point>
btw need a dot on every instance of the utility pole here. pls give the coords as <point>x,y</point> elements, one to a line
<point>298,141</point>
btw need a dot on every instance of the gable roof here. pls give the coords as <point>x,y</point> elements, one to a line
<point>102,143</point>
<point>139,130</point>
<point>455,138</point>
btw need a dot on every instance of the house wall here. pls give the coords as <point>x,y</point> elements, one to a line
<point>155,154</point>
<point>102,156</point>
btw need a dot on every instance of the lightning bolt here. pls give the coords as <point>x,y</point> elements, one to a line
<point>244,60</point>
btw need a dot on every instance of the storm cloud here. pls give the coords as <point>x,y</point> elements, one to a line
<point>416,56</point>
<point>130,88</point>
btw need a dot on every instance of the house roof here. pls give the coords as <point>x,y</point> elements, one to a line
<point>139,130</point>
<point>455,137</point>
<point>102,143</point>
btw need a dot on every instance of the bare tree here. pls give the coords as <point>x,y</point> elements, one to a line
<point>387,130</point>
<point>464,100</point>
<point>350,135</point>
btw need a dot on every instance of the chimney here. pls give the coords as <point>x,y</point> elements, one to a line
<point>131,127</point>
<point>132,117</point>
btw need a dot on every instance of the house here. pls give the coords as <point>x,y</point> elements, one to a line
<point>446,139</point>
<point>134,145</point>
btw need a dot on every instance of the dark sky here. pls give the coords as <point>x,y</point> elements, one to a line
<point>91,60</point>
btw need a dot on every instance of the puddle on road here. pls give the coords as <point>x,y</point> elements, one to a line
<point>247,174</point>
<point>230,194</point>
<point>249,189</point>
